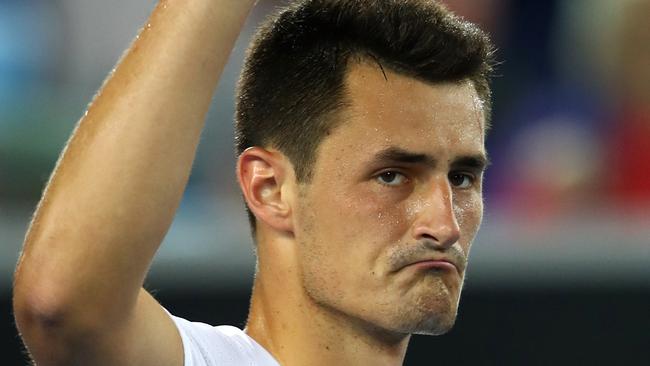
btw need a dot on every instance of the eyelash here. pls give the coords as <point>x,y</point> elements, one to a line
<point>470,177</point>
<point>393,172</point>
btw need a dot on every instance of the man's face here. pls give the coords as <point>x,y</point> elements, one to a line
<point>395,193</point>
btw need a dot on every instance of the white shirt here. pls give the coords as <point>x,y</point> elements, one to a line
<point>206,345</point>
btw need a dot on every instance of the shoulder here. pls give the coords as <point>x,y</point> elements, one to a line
<point>207,345</point>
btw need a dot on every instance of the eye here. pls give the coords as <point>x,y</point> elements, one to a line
<point>461,180</point>
<point>391,178</point>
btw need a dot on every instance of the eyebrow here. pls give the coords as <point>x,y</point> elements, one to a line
<point>398,155</point>
<point>474,162</point>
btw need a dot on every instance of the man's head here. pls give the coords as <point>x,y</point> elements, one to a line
<point>370,119</point>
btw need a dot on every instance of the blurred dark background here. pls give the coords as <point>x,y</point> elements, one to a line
<point>560,272</point>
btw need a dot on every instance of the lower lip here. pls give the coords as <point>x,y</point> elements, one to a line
<point>436,265</point>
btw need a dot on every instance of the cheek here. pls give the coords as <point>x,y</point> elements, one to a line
<point>347,231</point>
<point>469,214</point>
<point>331,227</point>
<point>340,241</point>
<point>368,212</point>
<point>385,215</point>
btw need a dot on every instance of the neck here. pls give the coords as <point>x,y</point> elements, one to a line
<point>298,331</point>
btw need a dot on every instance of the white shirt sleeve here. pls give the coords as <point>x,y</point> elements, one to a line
<point>206,345</point>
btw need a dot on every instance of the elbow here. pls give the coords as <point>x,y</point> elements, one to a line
<point>34,309</point>
<point>41,300</point>
<point>41,325</point>
<point>37,313</point>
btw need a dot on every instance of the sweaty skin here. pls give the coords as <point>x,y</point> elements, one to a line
<point>342,263</point>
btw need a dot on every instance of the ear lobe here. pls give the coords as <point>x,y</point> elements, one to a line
<point>261,175</point>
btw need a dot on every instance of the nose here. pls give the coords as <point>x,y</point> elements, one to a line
<point>436,224</point>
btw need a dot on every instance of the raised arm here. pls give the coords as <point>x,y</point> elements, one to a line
<point>78,295</point>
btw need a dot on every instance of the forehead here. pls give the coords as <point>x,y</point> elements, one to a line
<point>390,109</point>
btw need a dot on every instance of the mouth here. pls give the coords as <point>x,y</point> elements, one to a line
<point>420,258</point>
<point>441,265</point>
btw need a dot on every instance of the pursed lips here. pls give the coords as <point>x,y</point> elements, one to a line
<point>421,256</point>
<point>451,260</point>
<point>442,264</point>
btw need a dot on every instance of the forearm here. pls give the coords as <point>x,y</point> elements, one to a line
<point>120,179</point>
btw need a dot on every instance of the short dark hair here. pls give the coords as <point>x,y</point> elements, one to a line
<point>292,83</point>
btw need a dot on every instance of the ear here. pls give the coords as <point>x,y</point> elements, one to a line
<point>263,177</point>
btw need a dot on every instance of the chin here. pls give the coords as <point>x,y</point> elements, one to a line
<point>435,325</point>
<point>432,318</point>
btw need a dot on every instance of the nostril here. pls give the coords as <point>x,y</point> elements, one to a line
<point>436,239</point>
<point>428,236</point>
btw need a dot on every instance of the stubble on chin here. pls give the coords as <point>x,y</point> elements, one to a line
<point>431,311</point>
